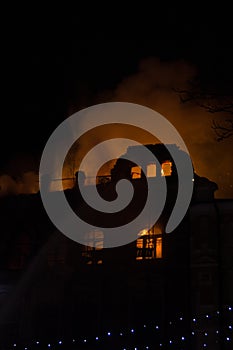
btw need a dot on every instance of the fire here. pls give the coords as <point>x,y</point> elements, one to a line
<point>149,244</point>
<point>166,169</point>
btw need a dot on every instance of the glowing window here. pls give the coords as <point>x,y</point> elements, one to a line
<point>149,243</point>
<point>140,243</point>
<point>155,230</point>
<point>95,239</point>
<point>166,168</point>
<point>159,248</point>
<point>149,247</point>
<point>136,172</point>
<point>151,170</point>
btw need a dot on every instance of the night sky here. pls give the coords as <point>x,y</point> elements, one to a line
<point>52,67</point>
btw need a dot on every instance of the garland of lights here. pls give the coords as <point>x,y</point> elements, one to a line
<point>132,332</point>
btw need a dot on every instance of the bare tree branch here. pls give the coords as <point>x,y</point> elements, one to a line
<point>212,102</point>
<point>223,132</point>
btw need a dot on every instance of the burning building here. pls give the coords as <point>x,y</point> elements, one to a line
<point>172,289</point>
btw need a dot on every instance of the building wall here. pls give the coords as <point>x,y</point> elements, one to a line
<point>57,293</point>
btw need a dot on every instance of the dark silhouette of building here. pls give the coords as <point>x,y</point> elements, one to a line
<point>160,290</point>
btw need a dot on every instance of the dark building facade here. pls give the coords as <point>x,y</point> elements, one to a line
<point>160,291</point>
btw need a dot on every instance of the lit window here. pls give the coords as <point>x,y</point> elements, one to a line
<point>149,246</point>
<point>139,243</point>
<point>95,239</point>
<point>136,172</point>
<point>159,248</point>
<point>151,170</point>
<point>166,168</point>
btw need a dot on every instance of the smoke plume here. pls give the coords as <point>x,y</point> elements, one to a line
<point>154,86</point>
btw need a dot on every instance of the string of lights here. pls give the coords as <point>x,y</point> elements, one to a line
<point>176,333</point>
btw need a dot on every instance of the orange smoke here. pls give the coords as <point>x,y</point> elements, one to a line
<point>154,86</point>
<point>27,183</point>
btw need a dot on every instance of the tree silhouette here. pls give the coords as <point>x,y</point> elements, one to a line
<point>212,102</point>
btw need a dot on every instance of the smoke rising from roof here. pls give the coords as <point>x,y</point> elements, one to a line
<point>154,86</point>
